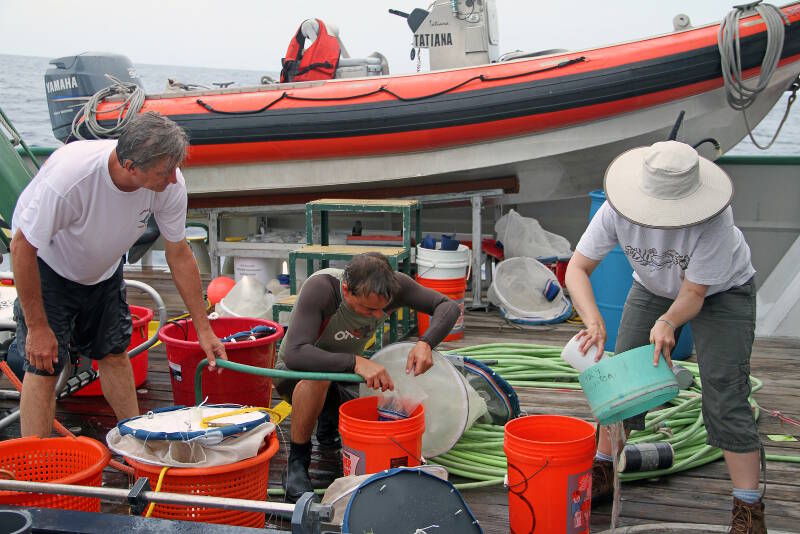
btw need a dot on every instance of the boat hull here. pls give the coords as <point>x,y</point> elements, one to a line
<point>552,164</point>
<point>555,122</point>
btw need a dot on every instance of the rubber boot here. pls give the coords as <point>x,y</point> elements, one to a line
<point>295,478</point>
<point>328,433</point>
<point>329,453</point>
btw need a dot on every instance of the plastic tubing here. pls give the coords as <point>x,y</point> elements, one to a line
<point>480,453</point>
<point>262,371</point>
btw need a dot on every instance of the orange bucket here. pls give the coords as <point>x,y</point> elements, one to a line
<point>78,461</point>
<point>370,446</point>
<point>246,479</point>
<point>549,473</point>
<point>454,289</point>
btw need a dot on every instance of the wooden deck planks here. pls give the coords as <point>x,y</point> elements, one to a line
<point>701,495</point>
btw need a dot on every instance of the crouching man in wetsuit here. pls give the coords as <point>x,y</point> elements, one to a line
<point>336,314</point>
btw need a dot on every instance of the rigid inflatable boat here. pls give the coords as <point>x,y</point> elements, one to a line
<point>554,120</point>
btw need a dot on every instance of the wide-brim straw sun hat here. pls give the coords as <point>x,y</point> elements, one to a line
<point>666,185</point>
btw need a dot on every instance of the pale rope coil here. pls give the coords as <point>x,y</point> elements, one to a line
<point>739,94</point>
<point>87,117</point>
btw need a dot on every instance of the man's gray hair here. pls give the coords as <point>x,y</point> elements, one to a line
<point>150,138</point>
<point>370,273</point>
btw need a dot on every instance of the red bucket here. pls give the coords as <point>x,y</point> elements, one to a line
<point>141,318</point>
<point>184,353</point>
<point>369,445</point>
<point>549,473</point>
<point>454,289</point>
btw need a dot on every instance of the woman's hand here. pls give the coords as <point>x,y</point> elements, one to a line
<point>663,336</point>
<point>593,335</point>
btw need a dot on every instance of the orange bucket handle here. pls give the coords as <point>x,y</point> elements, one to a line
<point>410,454</point>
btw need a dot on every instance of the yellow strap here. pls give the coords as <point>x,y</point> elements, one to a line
<point>276,415</point>
<point>204,422</point>
<point>158,488</point>
<point>280,412</point>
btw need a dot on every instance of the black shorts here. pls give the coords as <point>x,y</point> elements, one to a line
<point>90,321</point>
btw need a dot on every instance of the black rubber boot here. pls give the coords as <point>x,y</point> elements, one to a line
<point>328,432</point>
<point>295,478</point>
<point>328,464</point>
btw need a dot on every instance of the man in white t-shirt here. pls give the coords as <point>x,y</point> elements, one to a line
<point>669,210</point>
<point>71,226</point>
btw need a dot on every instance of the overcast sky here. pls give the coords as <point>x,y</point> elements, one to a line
<point>254,34</point>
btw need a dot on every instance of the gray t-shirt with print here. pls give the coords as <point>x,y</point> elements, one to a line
<point>713,253</point>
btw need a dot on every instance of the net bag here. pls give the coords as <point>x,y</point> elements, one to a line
<point>527,292</point>
<point>451,404</point>
<point>197,436</point>
<point>502,403</point>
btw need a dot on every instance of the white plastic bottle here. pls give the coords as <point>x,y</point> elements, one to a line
<point>572,355</point>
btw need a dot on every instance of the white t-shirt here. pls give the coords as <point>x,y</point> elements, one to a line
<point>712,254</point>
<point>81,223</point>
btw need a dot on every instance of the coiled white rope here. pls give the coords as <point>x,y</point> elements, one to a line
<point>740,94</point>
<point>87,118</point>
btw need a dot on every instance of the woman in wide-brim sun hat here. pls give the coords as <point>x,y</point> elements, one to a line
<point>669,210</point>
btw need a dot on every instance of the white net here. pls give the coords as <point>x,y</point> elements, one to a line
<point>519,288</point>
<point>178,438</point>
<point>451,404</point>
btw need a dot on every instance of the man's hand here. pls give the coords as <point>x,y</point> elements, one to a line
<point>41,348</point>
<point>420,359</point>
<point>375,374</point>
<point>212,347</point>
<point>663,336</point>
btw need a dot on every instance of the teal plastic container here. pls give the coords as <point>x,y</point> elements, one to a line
<point>611,281</point>
<point>627,384</point>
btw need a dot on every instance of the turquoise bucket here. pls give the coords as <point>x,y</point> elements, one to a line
<point>627,384</point>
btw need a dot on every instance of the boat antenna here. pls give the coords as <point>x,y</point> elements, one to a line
<point>674,133</point>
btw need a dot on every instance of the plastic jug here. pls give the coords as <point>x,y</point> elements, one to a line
<point>572,355</point>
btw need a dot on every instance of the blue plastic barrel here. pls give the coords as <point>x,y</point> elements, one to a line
<point>611,281</point>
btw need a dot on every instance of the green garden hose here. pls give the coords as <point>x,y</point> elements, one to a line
<point>478,456</point>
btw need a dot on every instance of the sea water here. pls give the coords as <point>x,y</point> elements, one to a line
<point>22,94</point>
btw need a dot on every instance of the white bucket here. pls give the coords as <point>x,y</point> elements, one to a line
<point>262,269</point>
<point>443,264</point>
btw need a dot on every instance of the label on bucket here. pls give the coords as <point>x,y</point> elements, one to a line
<point>353,462</point>
<point>175,371</point>
<point>401,461</point>
<point>579,502</point>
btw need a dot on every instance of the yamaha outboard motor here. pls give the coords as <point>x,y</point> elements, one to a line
<point>73,79</point>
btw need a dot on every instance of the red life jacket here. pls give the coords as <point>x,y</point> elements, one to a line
<point>317,63</point>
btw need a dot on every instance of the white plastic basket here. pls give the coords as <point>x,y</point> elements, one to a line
<point>518,290</point>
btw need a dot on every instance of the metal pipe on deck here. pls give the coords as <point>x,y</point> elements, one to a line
<point>122,496</point>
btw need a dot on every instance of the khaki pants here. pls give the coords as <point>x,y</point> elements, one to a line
<point>723,334</point>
